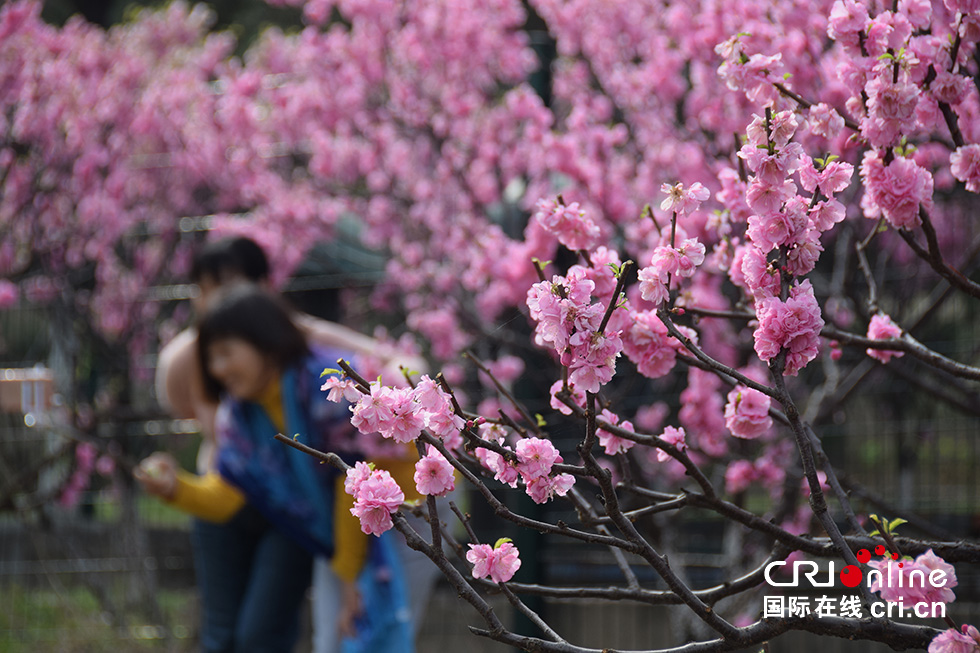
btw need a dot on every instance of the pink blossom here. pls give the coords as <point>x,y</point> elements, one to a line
<point>578,396</point>
<point>793,325</point>
<point>543,488</point>
<point>569,223</point>
<point>372,411</point>
<point>535,457</point>
<point>899,584</point>
<point>896,191</point>
<point>339,388</point>
<point>739,475</point>
<point>949,87</point>
<point>783,227</point>
<point>882,328</point>
<point>681,261</point>
<point>732,194</point>
<point>434,475</point>
<point>613,444</point>
<point>507,369</point>
<point>888,31</point>
<point>653,286</point>
<point>701,412</point>
<point>355,476</point>
<point>503,470</point>
<point>747,412</point>
<point>105,465</point>
<point>499,563</point>
<point>963,6</point>
<point>919,12</point>
<point>780,130</point>
<point>757,275</point>
<point>375,499</point>
<point>824,120</point>
<point>407,422</point>
<point>681,201</point>
<point>847,18</point>
<point>591,358</point>
<point>649,346</point>
<point>673,436</point>
<point>8,293</point>
<point>802,257</point>
<point>891,111</point>
<point>481,557</point>
<point>771,168</point>
<point>650,418</point>
<point>832,178</point>
<point>826,214</point>
<point>965,166</point>
<point>430,395</point>
<point>768,198</point>
<point>954,641</point>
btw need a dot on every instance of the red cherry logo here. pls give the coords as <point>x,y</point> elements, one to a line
<point>894,556</point>
<point>880,550</point>
<point>863,556</point>
<point>851,576</point>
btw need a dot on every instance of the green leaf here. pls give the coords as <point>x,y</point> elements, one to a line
<point>895,523</point>
<point>819,162</point>
<point>501,542</point>
<point>540,420</point>
<point>874,533</point>
<point>329,370</point>
<point>787,76</point>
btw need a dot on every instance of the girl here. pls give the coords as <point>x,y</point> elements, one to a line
<point>255,569</point>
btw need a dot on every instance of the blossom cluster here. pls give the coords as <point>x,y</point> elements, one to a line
<point>881,327</point>
<point>965,640</point>
<point>793,325</point>
<point>500,562</point>
<point>897,582</point>
<point>400,414</point>
<point>568,321</point>
<point>376,497</point>
<point>531,461</point>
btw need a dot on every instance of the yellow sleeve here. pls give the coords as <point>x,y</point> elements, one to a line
<point>349,543</point>
<point>208,497</point>
<point>402,470</point>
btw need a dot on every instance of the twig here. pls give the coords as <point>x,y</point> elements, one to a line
<point>909,345</point>
<point>502,390</point>
<point>934,257</point>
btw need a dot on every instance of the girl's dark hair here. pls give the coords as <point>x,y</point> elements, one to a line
<point>228,257</point>
<point>256,316</point>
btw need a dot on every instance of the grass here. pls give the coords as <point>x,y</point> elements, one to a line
<point>73,621</point>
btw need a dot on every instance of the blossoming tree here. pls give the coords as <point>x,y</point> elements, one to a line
<point>716,194</point>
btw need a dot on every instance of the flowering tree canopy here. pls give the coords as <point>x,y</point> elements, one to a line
<point>711,195</point>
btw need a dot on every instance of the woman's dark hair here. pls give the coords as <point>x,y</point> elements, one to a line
<point>228,257</point>
<point>256,316</point>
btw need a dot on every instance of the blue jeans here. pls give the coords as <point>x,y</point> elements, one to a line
<point>253,582</point>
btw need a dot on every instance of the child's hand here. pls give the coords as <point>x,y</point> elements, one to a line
<point>158,475</point>
<point>350,609</point>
